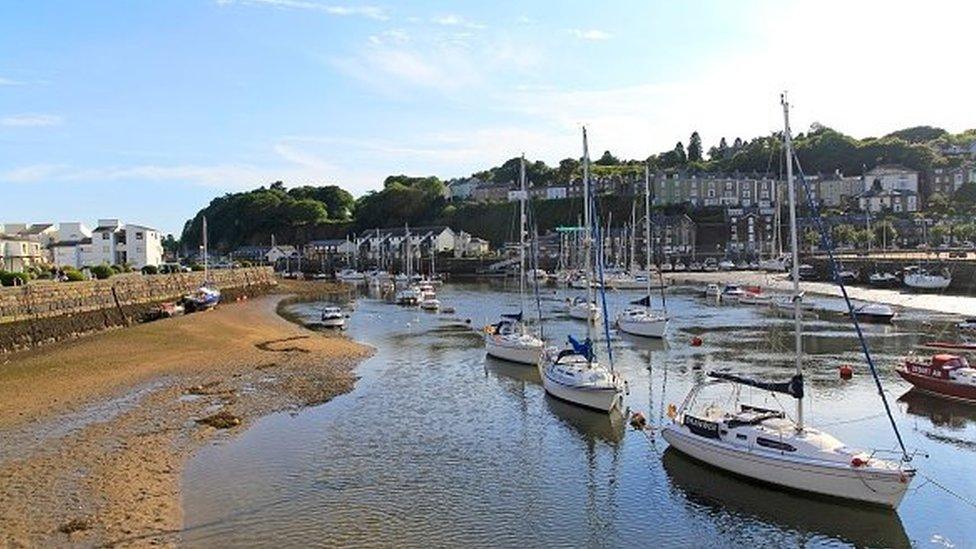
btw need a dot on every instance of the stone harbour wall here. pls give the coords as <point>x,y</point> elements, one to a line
<point>45,312</point>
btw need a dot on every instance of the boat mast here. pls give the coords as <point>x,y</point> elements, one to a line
<point>206,265</point>
<point>797,297</point>
<point>587,237</point>
<point>522,195</point>
<point>632,264</point>
<point>647,231</point>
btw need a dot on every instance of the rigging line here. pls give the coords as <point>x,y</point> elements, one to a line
<point>968,501</point>
<point>603,293</point>
<point>828,245</point>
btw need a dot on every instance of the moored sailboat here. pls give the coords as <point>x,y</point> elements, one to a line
<point>766,445</point>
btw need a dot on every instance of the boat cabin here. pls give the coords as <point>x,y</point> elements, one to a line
<point>940,366</point>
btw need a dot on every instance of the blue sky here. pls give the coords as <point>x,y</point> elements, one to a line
<point>147,110</point>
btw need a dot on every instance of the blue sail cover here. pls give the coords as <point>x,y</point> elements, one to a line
<point>644,301</point>
<point>584,349</point>
<point>793,387</point>
<point>517,317</point>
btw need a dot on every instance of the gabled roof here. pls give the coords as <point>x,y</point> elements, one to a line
<point>36,228</point>
<point>71,243</point>
<point>103,228</point>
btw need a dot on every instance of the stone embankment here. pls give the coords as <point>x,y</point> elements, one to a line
<point>47,312</point>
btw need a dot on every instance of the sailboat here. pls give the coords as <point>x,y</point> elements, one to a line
<point>640,319</point>
<point>508,339</point>
<point>408,295</point>
<point>205,297</point>
<point>580,307</point>
<point>573,374</point>
<point>767,446</point>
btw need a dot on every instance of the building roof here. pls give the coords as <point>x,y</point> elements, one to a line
<point>286,248</point>
<point>36,228</point>
<point>103,228</point>
<point>328,242</point>
<point>70,243</point>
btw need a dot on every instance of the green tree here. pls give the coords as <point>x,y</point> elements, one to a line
<point>607,160</point>
<point>862,237</point>
<point>695,148</point>
<point>566,170</point>
<point>919,134</point>
<point>843,234</point>
<point>811,238</point>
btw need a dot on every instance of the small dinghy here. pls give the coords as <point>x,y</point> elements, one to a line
<point>332,317</point>
<point>876,312</point>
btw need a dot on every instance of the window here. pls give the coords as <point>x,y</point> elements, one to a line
<point>139,236</point>
<point>774,444</point>
<point>106,235</point>
<point>711,193</point>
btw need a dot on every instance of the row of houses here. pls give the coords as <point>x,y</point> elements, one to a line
<point>373,247</point>
<point>884,188</point>
<point>75,245</point>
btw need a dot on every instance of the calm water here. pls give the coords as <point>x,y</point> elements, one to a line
<point>440,446</point>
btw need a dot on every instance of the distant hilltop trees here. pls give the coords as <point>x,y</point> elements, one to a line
<point>326,211</point>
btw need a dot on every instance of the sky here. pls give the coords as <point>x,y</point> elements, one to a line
<point>147,110</point>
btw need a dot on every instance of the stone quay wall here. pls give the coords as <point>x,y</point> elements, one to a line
<point>46,312</point>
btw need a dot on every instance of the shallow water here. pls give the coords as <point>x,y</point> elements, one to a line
<point>440,446</point>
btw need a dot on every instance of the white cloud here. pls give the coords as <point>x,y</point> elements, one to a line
<point>454,20</point>
<point>591,34</point>
<point>30,120</point>
<point>371,12</point>
<point>9,82</point>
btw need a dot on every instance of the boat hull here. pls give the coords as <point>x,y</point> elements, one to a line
<point>582,312</point>
<point>600,400</point>
<point>520,354</point>
<point>333,322</point>
<point>645,328</point>
<point>885,489</point>
<point>938,387</point>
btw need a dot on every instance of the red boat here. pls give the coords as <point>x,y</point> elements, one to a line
<point>947,376</point>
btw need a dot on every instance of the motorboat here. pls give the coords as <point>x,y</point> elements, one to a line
<point>726,265</point>
<point>877,312</point>
<point>408,297</point>
<point>848,276</point>
<point>713,290</point>
<point>203,298</point>
<point>680,267</point>
<point>922,279</point>
<point>767,446</point>
<point>333,317</point>
<point>573,375</point>
<point>666,267</point>
<point>695,266</point>
<point>808,272</point>
<point>732,292</point>
<point>710,265</point>
<point>967,325</point>
<point>883,279</point>
<point>428,297</point>
<point>509,340</point>
<point>754,298</point>
<point>581,308</point>
<point>742,265</point>
<point>945,375</point>
<point>538,275</point>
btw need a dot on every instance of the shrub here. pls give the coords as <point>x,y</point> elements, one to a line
<point>116,269</point>
<point>73,275</point>
<point>150,270</point>
<point>101,272</point>
<point>13,279</point>
<point>196,267</point>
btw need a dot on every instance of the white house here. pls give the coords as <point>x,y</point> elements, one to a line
<point>114,244</point>
<point>281,251</point>
<point>891,177</point>
<point>17,253</point>
<point>894,200</point>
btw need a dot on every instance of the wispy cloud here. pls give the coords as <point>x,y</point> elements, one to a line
<point>9,82</point>
<point>30,120</point>
<point>454,20</point>
<point>594,35</point>
<point>371,12</point>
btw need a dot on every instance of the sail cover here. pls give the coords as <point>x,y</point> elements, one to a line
<point>517,317</point>
<point>793,387</point>
<point>584,348</point>
<point>644,301</point>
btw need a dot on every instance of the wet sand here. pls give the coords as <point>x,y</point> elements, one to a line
<point>941,303</point>
<point>96,431</point>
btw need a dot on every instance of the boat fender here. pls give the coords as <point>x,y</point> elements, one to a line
<point>638,421</point>
<point>696,341</point>
<point>672,411</point>
<point>858,461</point>
<point>846,371</point>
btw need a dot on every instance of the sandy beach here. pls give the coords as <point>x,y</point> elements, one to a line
<point>941,303</point>
<point>96,431</point>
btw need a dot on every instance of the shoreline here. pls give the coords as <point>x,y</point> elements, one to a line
<point>933,302</point>
<point>97,430</point>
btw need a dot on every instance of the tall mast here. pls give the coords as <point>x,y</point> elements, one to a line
<point>522,195</point>
<point>647,231</point>
<point>797,313</point>
<point>206,271</point>
<point>587,237</point>
<point>632,264</point>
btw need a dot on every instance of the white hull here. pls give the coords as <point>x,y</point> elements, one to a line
<point>927,282</point>
<point>333,322</point>
<point>582,312</point>
<point>835,480</point>
<point>645,328</point>
<point>430,304</point>
<point>505,350</point>
<point>602,400</point>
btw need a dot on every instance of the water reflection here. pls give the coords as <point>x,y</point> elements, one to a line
<point>728,499</point>
<point>940,411</point>
<point>589,425</point>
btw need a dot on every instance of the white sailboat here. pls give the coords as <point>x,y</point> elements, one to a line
<point>573,373</point>
<point>579,307</point>
<point>765,445</point>
<point>640,319</point>
<point>205,297</point>
<point>509,339</point>
<point>408,295</point>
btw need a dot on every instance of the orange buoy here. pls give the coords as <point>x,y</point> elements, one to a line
<point>857,461</point>
<point>846,371</point>
<point>696,341</point>
<point>638,421</point>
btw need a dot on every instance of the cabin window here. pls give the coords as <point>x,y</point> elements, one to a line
<point>774,444</point>
<point>741,436</point>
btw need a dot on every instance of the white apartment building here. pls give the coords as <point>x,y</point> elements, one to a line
<point>17,253</point>
<point>115,243</point>
<point>891,177</point>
